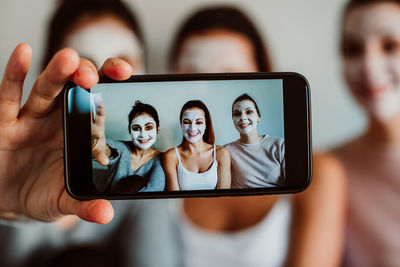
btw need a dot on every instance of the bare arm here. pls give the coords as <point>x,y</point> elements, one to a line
<point>224,168</point>
<point>100,150</point>
<point>170,164</point>
<point>319,217</point>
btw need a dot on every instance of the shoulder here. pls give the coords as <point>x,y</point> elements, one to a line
<point>276,141</point>
<point>222,152</point>
<point>232,144</point>
<point>327,170</point>
<point>169,155</point>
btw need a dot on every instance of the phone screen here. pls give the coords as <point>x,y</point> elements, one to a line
<point>189,136</point>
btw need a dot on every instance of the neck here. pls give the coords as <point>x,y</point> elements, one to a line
<point>140,153</point>
<point>384,132</point>
<point>193,147</point>
<point>251,138</point>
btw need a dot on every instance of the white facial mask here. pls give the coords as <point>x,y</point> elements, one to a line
<point>142,137</point>
<point>245,117</point>
<point>192,129</point>
<point>374,76</point>
<point>102,40</point>
<point>215,54</point>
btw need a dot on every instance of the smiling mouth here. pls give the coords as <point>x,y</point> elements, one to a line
<point>373,92</point>
<point>193,135</point>
<point>244,125</point>
<point>144,141</point>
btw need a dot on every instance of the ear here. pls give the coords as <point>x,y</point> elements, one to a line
<point>158,129</point>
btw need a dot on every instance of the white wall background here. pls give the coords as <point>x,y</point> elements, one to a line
<point>302,36</point>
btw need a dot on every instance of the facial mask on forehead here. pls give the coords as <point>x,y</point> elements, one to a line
<point>102,40</point>
<point>245,123</point>
<point>214,54</point>
<point>192,131</point>
<point>143,138</point>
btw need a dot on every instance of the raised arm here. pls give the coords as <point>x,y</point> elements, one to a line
<point>31,146</point>
<point>170,164</point>
<point>100,150</point>
<point>224,168</point>
<point>319,217</point>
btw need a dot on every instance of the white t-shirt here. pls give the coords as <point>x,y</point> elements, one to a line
<point>264,244</point>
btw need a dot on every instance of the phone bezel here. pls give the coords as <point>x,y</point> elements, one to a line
<point>297,114</point>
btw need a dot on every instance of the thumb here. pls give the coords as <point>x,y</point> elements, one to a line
<point>97,211</point>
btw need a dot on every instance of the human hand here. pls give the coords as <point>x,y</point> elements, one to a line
<point>31,145</point>
<point>100,150</point>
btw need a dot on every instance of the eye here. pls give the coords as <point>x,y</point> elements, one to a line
<point>352,48</point>
<point>149,127</point>
<point>136,128</point>
<point>186,121</point>
<point>249,112</point>
<point>390,45</point>
<point>235,113</point>
<point>199,122</point>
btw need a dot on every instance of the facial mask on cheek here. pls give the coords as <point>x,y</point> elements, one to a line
<point>144,139</point>
<point>192,131</point>
<point>214,54</point>
<point>102,40</point>
<point>245,123</point>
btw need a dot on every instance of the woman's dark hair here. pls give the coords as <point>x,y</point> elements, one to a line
<point>350,6</point>
<point>69,12</point>
<point>221,17</point>
<point>246,97</point>
<point>140,108</point>
<point>208,136</point>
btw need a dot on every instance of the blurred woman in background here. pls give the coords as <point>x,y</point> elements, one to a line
<point>370,46</point>
<point>300,230</point>
<point>97,30</point>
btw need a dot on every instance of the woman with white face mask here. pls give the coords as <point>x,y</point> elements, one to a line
<point>277,230</point>
<point>132,166</point>
<point>257,160</point>
<point>370,47</point>
<point>197,163</point>
<point>97,30</point>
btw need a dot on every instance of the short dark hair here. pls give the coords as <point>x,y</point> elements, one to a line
<point>350,6</point>
<point>221,17</point>
<point>246,97</point>
<point>208,136</point>
<point>70,11</point>
<point>140,108</point>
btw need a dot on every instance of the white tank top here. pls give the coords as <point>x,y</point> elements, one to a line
<point>197,181</point>
<point>263,244</point>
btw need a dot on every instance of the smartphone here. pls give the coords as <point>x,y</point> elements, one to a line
<point>188,135</point>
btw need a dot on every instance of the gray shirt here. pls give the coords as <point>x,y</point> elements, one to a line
<point>261,164</point>
<point>119,177</point>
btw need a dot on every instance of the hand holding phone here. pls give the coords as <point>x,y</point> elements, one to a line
<point>31,144</point>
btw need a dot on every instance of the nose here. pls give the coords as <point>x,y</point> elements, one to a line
<point>372,64</point>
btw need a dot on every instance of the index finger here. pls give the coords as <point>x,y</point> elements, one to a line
<point>63,66</point>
